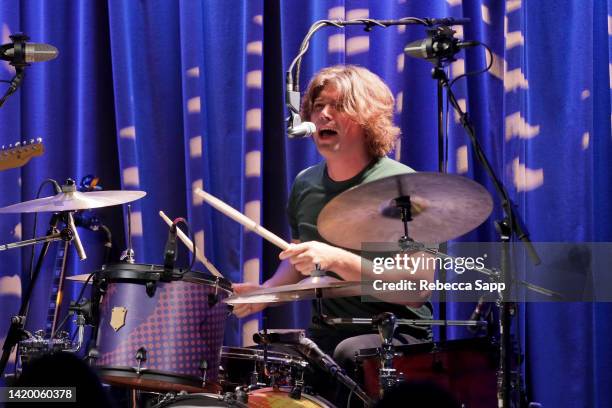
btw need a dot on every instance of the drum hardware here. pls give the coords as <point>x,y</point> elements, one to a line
<point>128,254</point>
<point>204,369</point>
<point>141,357</point>
<point>386,324</point>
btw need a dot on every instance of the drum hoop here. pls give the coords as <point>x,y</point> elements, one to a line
<point>141,273</point>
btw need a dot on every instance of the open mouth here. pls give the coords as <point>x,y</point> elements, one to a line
<point>327,133</point>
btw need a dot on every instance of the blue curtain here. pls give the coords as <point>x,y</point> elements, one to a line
<point>167,96</point>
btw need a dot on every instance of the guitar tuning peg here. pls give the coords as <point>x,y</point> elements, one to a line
<point>31,141</point>
<point>39,140</point>
<point>17,144</point>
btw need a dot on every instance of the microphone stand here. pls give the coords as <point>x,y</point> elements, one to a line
<point>14,84</point>
<point>16,330</point>
<point>511,225</point>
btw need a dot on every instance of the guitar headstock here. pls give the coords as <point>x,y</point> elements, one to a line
<point>20,153</point>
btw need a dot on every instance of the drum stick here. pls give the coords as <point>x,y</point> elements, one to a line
<point>242,219</point>
<point>199,255</point>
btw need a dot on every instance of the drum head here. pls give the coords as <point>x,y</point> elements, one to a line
<point>270,397</point>
<point>200,400</point>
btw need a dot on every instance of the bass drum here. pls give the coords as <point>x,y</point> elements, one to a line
<point>160,336</point>
<point>199,400</point>
<point>280,398</point>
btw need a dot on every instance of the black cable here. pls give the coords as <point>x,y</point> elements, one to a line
<point>58,189</point>
<point>79,297</point>
<point>480,71</point>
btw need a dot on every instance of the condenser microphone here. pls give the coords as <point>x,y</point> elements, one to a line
<point>20,53</point>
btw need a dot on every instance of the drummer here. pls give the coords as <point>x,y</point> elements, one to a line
<point>352,109</point>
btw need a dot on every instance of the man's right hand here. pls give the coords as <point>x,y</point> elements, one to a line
<point>245,309</point>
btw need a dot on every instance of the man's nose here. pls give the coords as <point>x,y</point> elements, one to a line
<point>326,112</point>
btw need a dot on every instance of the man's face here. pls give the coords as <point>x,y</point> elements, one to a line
<point>337,134</point>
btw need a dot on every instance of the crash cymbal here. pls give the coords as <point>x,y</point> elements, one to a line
<point>80,278</point>
<point>304,290</point>
<point>443,207</point>
<point>75,200</point>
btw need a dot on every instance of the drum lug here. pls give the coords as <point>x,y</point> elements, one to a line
<point>141,357</point>
<point>150,288</point>
<point>204,369</point>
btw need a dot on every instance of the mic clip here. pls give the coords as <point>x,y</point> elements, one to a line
<point>293,104</point>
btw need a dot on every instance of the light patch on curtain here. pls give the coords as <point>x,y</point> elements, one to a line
<point>499,66</point>
<point>255,48</point>
<point>586,137</point>
<point>335,13</point>
<point>195,147</point>
<point>609,25</point>
<point>250,271</point>
<point>400,62</point>
<point>10,286</point>
<point>196,200</point>
<point>19,181</point>
<point>193,72</point>
<point>357,45</point>
<point>253,119</point>
<point>128,132</point>
<point>252,209</point>
<point>484,12</point>
<point>16,232</point>
<point>357,13</point>
<point>248,330</point>
<point>512,5</point>
<point>516,125</point>
<point>462,103</point>
<point>136,224</point>
<point>458,68</point>
<point>252,167</point>
<point>335,43</point>
<point>462,159</point>
<point>610,74</point>
<point>458,31</point>
<point>193,105</point>
<point>253,79</point>
<point>515,79</point>
<point>258,19</point>
<point>454,3</point>
<point>514,39</point>
<point>199,241</point>
<point>398,149</point>
<point>585,94</point>
<point>526,179</point>
<point>131,177</point>
<point>399,102</point>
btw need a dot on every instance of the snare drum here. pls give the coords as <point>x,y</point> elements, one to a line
<point>245,366</point>
<point>160,336</point>
<point>465,368</point>
<point>199,400</point>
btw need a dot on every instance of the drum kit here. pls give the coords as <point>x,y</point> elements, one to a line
<point>161,332</point>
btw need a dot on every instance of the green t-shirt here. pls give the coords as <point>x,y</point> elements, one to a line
<point>311,191</point>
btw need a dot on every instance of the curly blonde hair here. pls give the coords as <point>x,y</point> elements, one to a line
<point>364,97</point>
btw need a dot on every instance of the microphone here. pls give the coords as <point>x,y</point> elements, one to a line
<point>20,53</point>
<point>75,237</point>
<point>304,129</point>
<point>440,44</point>
<point>170,253</point>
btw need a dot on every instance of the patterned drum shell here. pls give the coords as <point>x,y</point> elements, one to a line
<point>180,325</point>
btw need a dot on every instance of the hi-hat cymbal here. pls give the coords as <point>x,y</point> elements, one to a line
<point>74,201</point>
<point>443,207</point>
<point>304,290</point>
